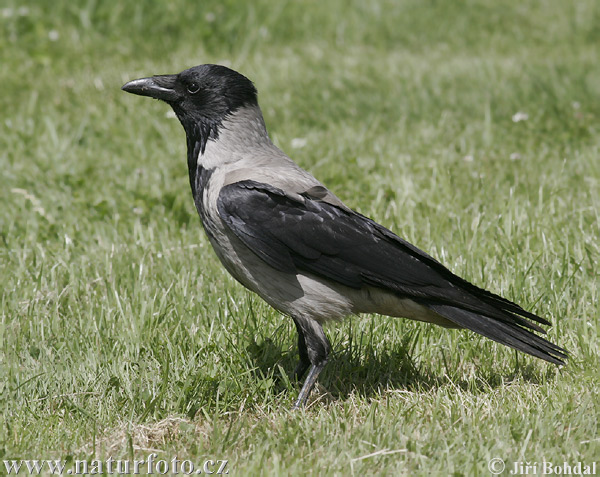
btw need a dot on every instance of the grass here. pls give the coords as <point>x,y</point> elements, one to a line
<point>120,333</point>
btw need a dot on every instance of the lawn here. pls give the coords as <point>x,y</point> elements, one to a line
<point>470,128</point>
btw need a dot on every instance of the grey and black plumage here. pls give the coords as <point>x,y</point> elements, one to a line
<point>285,236</point>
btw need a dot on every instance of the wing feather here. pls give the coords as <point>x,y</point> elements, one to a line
<point>302,233</point>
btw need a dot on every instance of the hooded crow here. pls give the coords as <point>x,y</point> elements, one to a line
<point>285,236</point>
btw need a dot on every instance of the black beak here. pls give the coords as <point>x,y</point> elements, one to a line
<point>158,87</point>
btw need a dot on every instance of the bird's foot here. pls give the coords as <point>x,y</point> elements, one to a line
<point>309,384</point>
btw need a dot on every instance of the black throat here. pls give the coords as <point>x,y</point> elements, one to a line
<point>198,135</point>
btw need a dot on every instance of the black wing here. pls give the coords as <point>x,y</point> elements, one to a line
<point>314,236</point>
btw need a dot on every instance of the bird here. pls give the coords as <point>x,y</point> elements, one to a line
<point>286,237</point>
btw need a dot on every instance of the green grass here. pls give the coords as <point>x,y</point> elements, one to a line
<point>121,333</point>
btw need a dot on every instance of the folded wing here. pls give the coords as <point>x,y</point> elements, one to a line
<point>303,233</point>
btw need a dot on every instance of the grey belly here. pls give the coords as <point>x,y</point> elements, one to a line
<point>310,296</point>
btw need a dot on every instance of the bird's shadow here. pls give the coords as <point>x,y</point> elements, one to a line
<point>362,371</point>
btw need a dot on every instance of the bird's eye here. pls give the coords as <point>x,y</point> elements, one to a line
<point>193,88</point>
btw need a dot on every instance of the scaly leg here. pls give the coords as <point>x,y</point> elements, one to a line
<point>309,384</point>
<point>314,349</point>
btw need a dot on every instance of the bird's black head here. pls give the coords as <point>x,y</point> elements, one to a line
<point>202,97</point>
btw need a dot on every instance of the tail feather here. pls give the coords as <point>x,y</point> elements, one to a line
<point>507,305</point>
<point>504,332</point>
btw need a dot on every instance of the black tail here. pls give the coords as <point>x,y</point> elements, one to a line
<point>506,331</point>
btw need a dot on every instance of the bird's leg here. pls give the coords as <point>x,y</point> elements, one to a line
<point>304,363</point>
<point>314,350</point>
<point>308,385</point>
